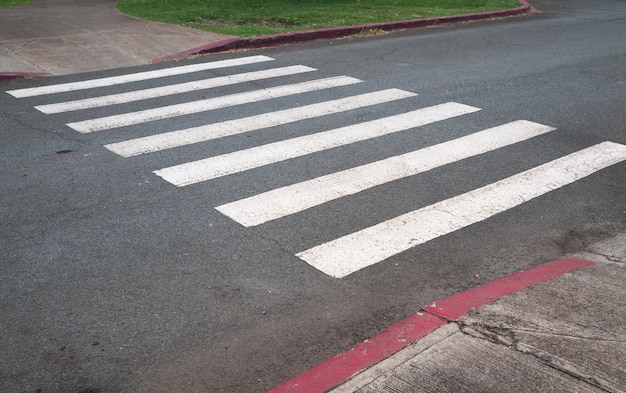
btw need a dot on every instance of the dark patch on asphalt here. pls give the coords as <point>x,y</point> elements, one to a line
<point>89,390</point>
<point>577,240</point>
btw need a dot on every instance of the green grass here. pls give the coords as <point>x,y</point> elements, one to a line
<point>9,3</point>
<point>246,18</point>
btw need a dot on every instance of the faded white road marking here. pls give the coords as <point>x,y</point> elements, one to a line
<point>353,252</point>
<point>283,201</point>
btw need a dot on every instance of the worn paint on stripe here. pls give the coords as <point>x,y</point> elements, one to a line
<point>187,108</point>
<point>135,77</point>
<point>210,168</point>
<point>208,132</point>
<point>353,252</point>
<point>283,201</point>
<point>137,95</point>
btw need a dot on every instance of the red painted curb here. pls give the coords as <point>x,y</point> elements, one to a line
<point>338,32</point>
<point>455,306</point>
<point>199,50</point>
<point>22,75</point>
<point>364,355</point>
<point>342,367</point>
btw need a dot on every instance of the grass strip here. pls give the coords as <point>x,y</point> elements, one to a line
<point>10,3</point>
<point>245,18</point>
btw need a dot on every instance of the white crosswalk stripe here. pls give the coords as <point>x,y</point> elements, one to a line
<point>168,140</point>
<point>211,168</point>
<point>128,119</point>
<point>136,77</point>
<point>283,201</point>
<point>137,95</point>
<point>346,254</point>
<point>366,247</point>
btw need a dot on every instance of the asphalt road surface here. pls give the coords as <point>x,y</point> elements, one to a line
<point>254,213</point>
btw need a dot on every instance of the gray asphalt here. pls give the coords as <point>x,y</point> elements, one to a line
<point>118,281</point>
<point>561,335</point>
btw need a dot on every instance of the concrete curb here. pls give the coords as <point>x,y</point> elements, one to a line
<point>270,40</point>
<point>22,75</point>
<point>339,369</point>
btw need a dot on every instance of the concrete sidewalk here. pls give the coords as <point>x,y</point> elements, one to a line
<point>556,328</point>
<point>70,36</point>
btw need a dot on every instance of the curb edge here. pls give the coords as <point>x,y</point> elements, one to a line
<point>23,75</point>
<point>342,367</point>
<point>270,40</point>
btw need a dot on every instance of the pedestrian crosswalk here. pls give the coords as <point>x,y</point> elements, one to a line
<point>281,202</point>
<point>135,77</point>
<point>188,108</point>
<point>207,132</point>
<point>365,246</point>
<point>374,244</point>
<point>178,88</point>
<point>211,168</point>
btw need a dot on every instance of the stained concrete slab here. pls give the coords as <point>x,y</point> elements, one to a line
<point>611,251</point>
<point>12,61</point>
<point>463,363</point>
<point>71,36</point>
<point>574,323</point>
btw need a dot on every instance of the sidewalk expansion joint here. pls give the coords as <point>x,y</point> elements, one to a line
<point>565,367</point>
<point>506,337</point>
<point>611,258</point>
